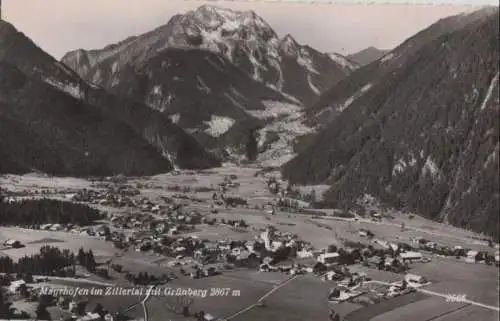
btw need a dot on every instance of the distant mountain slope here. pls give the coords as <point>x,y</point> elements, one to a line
<point>243,38</point>
<point>48,130</point>
<point>167,138</point>
<point>345,92</point>
<point>367,56</point>
<point>424,136</point>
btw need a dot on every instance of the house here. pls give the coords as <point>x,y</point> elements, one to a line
<point>328,258</point>
<point>16,285</point>
<point>13,243</point>
<point>414,280</point>
<point>410,256</point>
<point>248,259</point>
<point>472,257</point>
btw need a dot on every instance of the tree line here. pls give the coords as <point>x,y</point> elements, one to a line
<point>50,261</point>
<point>45,211</point>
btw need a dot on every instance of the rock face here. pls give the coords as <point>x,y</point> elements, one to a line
<point>423,133</point>
<point>243,38</point>
<point>148,143</point>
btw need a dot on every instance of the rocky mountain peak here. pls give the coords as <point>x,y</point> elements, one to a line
<point>289,45</point>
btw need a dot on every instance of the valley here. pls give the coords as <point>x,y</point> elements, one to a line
<point>216,168</point>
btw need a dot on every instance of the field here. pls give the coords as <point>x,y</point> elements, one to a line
<point>35,239</point>
<point>303,298</point>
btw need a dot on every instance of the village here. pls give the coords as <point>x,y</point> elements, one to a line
<point>198,231</point>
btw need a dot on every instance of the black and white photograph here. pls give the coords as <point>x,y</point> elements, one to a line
<point>196,160</point>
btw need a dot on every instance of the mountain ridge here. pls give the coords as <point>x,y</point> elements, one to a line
<point>172,142</point>
<point>424,137</point>
<point>243,38</point>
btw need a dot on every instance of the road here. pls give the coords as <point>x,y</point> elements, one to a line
<point>142,303</point>
<point>259,300</point>
<point>443,295</point>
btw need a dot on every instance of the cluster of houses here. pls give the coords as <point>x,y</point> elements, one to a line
<point>470,256</point>
<point>120,196</point>
<point>73,307</point>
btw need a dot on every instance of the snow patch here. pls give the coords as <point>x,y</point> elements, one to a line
<point>343,61</point>
<point>305,61</point>
<point>430,167</point>
<point>493,83</point>
<point>403,163</point>
<point>276,109</point>
<point>72,90</point>
<point>313,87</point>
<point>387,57</point>
<point>351,99</point>
<point>218,125</point>
<point>202,85</point>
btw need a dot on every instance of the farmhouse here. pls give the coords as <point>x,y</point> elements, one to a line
<point>16,285</point>
<point>472,257</point>
<point>13,243</point>
<point>328,258</point>
<point>410,256</point>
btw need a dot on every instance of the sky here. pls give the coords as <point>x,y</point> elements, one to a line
<point>59,26</point>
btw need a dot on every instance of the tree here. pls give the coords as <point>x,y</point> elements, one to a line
<point>42,313</point>
<point>81,257</point>
<point>331,249</point>
<point>251,146</point>
<point>90,261</point>
<point>99,309</point>
<point>5,307</point>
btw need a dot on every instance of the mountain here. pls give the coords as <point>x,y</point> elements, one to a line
<point>342,95</point>
<point>242,38</point>
<point>48,130</point>
<point>366,56</point>
<point>347,63</point>
<point>424,136</point>
<point>22,58</point>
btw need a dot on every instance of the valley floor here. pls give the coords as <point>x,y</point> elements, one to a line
<point>300,298</point>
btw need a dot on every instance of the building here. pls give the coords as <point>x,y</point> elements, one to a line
<point>411,256</point>
<point>15,286</point>
<point>328,258</point>
<point>472,257</point>
<point>13,243</point>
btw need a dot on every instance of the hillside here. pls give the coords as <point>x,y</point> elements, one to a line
<point>47,130</point>
<point>169,140</point>
<point>345,92</point>
<point>243,38</point>
<point>424,136</point>
<point>367,56</point>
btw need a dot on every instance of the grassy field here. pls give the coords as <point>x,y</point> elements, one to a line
<point>249,292</point>
<point>478,281</point>
<point>303,299</point>
<point>468,313</point>
<point>34,240</point>
<point>421,310</point>
<point>383,307</point>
